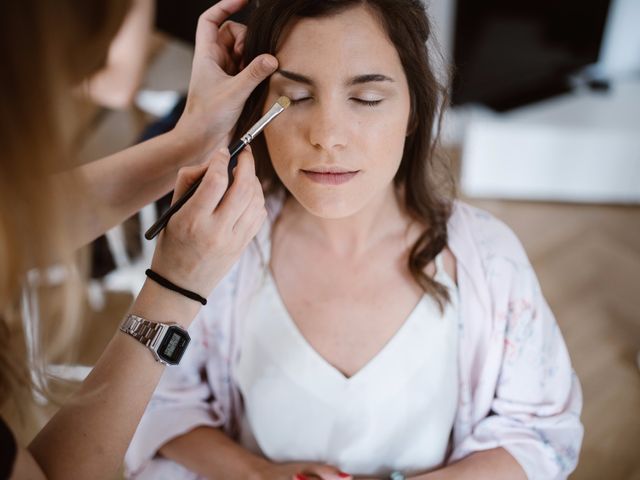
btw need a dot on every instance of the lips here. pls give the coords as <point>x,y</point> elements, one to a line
<point>335,170</point>
<point>332,176</point>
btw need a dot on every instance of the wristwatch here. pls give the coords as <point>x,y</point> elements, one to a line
<point>167,341</point>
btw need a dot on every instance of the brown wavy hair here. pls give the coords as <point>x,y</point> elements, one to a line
<point>424,179</point>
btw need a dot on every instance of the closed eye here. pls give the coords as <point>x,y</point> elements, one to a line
<point>296,101</point>
<point>368,103</point>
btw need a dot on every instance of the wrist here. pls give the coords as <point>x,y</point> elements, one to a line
<point>434,475</point>
<point>255,466</point>
<point>187,144</point>
<point>195,140</point>
<point>158,304</point>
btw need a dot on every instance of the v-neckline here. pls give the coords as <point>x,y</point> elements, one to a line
<point>311,351</point>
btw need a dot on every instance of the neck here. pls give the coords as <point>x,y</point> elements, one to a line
<point>352,236</point>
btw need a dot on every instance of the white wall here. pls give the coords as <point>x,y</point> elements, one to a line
<point>620,52</point>
<point>442,13</point>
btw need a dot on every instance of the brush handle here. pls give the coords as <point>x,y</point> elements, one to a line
<point>156,228</point>
<point>234,151</point>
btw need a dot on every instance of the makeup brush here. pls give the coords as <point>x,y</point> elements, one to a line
<point>234,150</point>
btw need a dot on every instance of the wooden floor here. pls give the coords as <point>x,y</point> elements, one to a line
<point>588,261</point>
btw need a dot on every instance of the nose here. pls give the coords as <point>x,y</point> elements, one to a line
<point>327,129</point>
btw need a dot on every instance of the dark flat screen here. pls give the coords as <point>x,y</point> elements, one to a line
<point>509,53</point>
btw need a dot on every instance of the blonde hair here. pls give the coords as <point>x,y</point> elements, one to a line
<point>45,48</point>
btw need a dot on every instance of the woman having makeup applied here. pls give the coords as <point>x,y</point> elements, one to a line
<point>376,327</point>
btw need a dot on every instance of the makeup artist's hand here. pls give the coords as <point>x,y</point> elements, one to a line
<point>207,236</point>
<point>218,88</point>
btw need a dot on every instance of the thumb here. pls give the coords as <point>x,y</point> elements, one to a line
<point>255,73</point>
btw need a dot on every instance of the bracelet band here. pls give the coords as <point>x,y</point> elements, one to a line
<point>159,279</point>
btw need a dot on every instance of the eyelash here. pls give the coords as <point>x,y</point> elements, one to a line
<point>299,100</point>
<point>368,103</point>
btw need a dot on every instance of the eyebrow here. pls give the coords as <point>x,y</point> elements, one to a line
<point>360,79</point>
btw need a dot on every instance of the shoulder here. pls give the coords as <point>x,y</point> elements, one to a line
<point>475,229</point>
<point>491,258</point>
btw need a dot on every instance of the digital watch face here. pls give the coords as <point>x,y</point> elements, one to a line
<point>173,345</point>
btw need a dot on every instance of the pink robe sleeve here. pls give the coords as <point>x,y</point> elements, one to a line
<point>533,394</point>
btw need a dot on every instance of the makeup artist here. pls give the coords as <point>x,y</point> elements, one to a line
<point>47,210</point>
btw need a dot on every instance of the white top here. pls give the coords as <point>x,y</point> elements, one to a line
<point>396,413</point>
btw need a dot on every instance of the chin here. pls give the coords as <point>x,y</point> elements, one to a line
<point>329,205</point>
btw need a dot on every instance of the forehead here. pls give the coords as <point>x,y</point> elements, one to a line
<point>351,42</point>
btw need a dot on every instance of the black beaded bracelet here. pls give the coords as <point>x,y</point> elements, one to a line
<point>172,286</point>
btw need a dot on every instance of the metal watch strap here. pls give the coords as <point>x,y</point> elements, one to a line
<point>142,330</point>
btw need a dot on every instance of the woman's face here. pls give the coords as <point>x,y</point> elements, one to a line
<point>340,143</point>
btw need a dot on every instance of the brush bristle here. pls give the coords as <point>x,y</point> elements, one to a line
<point>284,102</point>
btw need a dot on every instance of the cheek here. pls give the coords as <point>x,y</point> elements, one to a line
<point>384,139</point>
<point>286,137</point>
<point>281,143</point>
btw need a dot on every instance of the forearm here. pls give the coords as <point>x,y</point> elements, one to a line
<point>88,437</point>
<point>104,193</point>
<point>492,464</point>
<point>210,453</point>
<point>116,85</point>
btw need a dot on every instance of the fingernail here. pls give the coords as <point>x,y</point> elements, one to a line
<point>343,475</point>
<point>269,62</point>
<point>300,476</point>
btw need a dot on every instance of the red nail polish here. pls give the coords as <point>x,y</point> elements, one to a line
<point>300,477</point>
<point>343,475</point>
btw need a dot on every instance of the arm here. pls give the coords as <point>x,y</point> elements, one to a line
<point>119,185</point>
<point>527,397</point>
<point>495,464</point>
<point>194,451</point>
<point>114,188</point>
<point>210,453</point>
<point>88,437</point>
<point>116,85</point>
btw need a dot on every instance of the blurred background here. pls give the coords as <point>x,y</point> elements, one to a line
<point>544,132</point>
